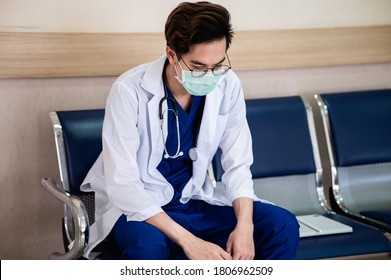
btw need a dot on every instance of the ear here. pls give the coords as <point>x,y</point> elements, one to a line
<point>171,55</point>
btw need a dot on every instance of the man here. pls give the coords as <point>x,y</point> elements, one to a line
<point>164,122</point>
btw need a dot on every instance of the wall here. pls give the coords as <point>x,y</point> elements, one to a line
<point>150,15</point>
<point>30,218</point>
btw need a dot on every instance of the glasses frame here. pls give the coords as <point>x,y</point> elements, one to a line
<point>206,69</point>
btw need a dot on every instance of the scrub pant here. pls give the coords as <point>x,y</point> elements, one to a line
<point>276,231</point>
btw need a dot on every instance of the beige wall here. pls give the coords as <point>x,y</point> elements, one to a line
<point>30,218</point>
<point>150,15</point>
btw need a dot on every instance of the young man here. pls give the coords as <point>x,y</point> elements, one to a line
<point>164,122</point>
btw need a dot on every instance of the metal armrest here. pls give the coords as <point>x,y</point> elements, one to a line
<point>80,220</point>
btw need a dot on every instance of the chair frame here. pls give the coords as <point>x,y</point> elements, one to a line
<point>75,221</point>
<point>330,150</point>
<point>334,170</point>
<point>320,189</point>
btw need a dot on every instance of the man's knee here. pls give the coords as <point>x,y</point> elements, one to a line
<point>284,224</point>
<point>276,219</point>
<point>148,246</point>
<point>139,241</point>
<point>276,233</point>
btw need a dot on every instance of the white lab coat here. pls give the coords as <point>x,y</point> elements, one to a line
<point>124,177</point>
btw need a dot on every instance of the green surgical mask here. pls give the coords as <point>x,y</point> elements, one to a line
<point>199,86</point>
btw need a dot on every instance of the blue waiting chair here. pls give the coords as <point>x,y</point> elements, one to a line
<point>358,130</point>
<point>287,171</point>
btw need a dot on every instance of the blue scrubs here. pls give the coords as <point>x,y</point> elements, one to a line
<point>178,171</point>
<point>276,233</point>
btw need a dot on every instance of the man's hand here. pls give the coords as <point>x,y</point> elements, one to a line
<point>194,247</point>
<point>198,249</point>
<point>240,244</point>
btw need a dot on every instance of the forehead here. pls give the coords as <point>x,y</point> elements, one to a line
<point>210,53</point>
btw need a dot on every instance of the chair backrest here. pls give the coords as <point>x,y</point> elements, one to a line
<point>358,130</point>
<point>286,168</point>
<point>78,136</point>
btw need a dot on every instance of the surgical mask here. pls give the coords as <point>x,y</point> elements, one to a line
<point>199,86</point>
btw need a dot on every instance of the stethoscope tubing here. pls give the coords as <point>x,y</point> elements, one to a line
<point>167,98</point>
<point>193,151</point>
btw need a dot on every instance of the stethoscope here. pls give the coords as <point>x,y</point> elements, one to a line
<point>193,151</point>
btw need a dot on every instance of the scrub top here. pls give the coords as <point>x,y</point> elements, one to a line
<point>178,171</point>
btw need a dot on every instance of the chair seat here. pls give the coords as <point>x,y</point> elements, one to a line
<point>346,244</point>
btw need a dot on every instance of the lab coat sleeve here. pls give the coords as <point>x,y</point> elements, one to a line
<point>121,141</point>
<point>236,146</point>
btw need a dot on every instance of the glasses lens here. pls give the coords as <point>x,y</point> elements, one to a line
<point>198,72</point>
<point>221,70</point>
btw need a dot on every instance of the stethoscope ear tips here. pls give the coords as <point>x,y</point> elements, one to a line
<point>180,153</point>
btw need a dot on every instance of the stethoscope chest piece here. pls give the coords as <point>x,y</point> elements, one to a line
<point>193,154</point>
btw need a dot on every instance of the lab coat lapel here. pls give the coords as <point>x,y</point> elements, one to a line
<point>157,147</point>
<point>152,83</point>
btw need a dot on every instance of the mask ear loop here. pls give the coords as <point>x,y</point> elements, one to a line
<point>180,80</point>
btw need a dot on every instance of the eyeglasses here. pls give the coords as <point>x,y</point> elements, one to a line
<point>200,71</point>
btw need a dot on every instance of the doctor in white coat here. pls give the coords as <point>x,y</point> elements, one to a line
<point>153,194</point>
